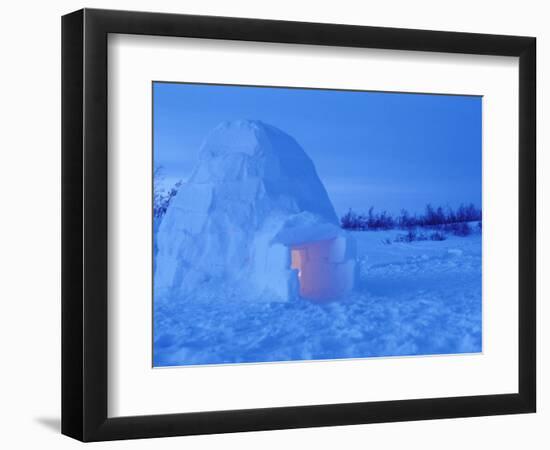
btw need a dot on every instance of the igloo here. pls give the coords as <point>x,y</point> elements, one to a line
<point>253,220</point>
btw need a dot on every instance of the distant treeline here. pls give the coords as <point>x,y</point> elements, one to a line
<point>432,217</point>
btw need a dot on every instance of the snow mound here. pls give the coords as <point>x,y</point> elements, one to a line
<point>254,218</point>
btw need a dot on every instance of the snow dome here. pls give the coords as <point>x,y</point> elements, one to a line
<point>253,219</point>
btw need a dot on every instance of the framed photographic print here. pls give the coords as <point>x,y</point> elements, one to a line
<point>266,224</point>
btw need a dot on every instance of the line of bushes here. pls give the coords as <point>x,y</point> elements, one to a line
<point>413,236</point>
<point>439,218</point>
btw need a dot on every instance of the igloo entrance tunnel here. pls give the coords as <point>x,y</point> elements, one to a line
<point>253,220</point>
<point>325,268</point>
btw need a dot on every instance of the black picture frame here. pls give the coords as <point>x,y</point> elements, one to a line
<point>84,224</point>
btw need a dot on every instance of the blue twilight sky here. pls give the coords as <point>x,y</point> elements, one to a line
<point>387,150</point>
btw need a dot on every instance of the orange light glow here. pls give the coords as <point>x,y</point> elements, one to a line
<point>296,261</point>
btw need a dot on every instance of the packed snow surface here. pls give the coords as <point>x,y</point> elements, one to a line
<point>416,298</point>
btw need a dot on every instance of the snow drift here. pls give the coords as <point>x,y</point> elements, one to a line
<point>254,219</point>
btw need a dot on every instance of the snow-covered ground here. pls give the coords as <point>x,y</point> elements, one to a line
<point>416,298</point>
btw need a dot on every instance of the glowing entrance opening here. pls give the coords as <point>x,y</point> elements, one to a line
<point>324,269</point>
